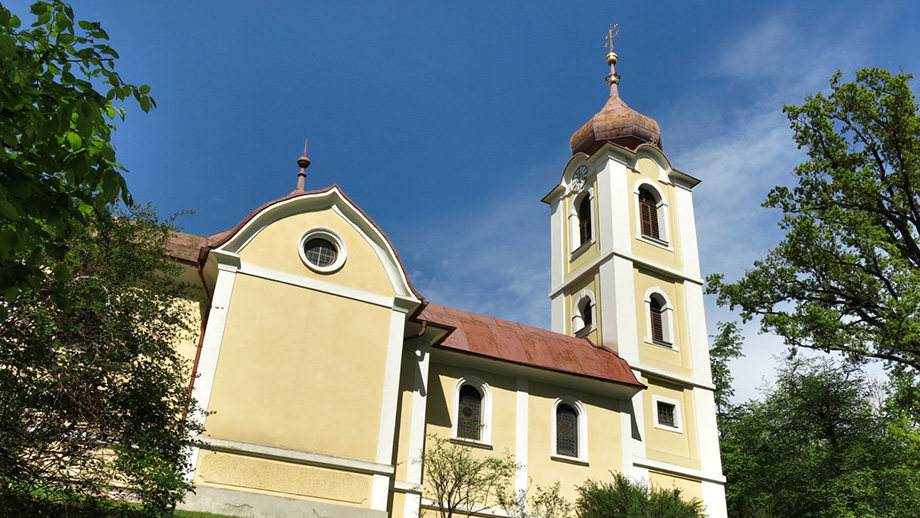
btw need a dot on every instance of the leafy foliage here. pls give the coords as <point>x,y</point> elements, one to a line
<point>463,482</point>
<point>816,446</point>
<point>92,399</point>
<point>57,163</point>
<point>846,277</point>
<point>542,502</point>
<point>623,498</point>
<point>726,345</point>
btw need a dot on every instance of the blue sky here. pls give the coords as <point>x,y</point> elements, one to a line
<point>448,121</point>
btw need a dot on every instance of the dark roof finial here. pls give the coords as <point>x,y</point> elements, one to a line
<point>304,163</point>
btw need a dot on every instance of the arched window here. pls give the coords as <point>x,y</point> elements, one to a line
<point>566,430</point>
<point>656,317</point>
<point>648,214</point>
<point>581,220</point>
<point>583,316</point>
<point>570,430</point>
<point>584,220</point>
<point>469,414</point>
<point>472,411</point>
<point>659,320</point>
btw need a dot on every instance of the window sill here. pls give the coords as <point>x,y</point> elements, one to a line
<point>583,332</point>
<point>471,442</point>
<point>569,460</point>
<point>581,249</point>
<point>675,429</point>
<point>655,241</point>
<point>661,343</point>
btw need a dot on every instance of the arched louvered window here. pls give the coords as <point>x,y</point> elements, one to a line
<point>584,220</point>
<point>469,420</point>
<point>648,214</point>
<point>656,315</point>
<point>566,430</point>
<point>587,312</point>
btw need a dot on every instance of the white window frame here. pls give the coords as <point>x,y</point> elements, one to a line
<point>661,207</point>
<point>667,319</point>
<point>575,244</point>
<point>678,421</point>
<point>578,316</point>
<point>582,457</point>
<point>323,233</point>
<point>485,435</point>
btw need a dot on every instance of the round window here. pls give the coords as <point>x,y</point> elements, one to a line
<point>319,252</point>
<point>322,250</point>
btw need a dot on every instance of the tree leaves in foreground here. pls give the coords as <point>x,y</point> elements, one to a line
<point>57,163</point>
<point>93,398</point>
<point>817,446</point>
<point>846,277</point>
<point>623,498</point>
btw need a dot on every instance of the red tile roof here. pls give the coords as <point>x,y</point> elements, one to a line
<point>525,345</point>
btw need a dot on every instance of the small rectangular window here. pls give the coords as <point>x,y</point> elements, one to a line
<point>666,414</point>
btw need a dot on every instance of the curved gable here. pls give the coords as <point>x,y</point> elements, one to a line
<point>270,237</point>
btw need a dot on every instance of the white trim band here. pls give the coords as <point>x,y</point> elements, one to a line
<point>295,456</point>
<point>678,470</point>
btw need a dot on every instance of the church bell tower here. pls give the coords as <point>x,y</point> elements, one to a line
<point>626,275</point>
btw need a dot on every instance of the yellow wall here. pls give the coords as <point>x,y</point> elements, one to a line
<point>647,169</point>
<point>604,439</point>
<point>300,369</point>
<point>276,247</point>
<point>592,252</point>
<point>283,479</point>
<point>572,296</point>
<point>680,448</point>
<point>410,366</point>
<point>675,359</point>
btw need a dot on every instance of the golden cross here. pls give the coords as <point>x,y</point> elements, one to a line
<point>611,34</point>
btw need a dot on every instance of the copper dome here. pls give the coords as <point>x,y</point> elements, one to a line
<point>617,123</point>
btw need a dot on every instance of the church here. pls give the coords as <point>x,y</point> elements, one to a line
<point>323,373</point>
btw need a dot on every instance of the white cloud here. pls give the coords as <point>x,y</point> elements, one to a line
<point>497,258</point>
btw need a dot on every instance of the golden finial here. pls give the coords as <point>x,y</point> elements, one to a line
<point>613,79</point>
<point>612,32</point>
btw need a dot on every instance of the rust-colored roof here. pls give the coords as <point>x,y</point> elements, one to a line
<point>184,247</point>
<point>525,345</point>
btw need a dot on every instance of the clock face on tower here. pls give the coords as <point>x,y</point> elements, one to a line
<point>579,178</point>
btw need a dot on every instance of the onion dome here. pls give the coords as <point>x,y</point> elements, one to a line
<point>616,122</point>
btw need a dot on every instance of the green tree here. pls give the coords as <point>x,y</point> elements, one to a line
<point>624,498</point>
<point>464,482</point>
<point>846,277</point>
<point>726,345</point>
<point>58,86</point>
<point>93,398</point>
<point>816,447</point>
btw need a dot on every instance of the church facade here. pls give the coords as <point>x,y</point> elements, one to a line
<point>324,373</point>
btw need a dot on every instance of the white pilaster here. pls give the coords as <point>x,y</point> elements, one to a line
<point>714,499</point>
<point>389,399</point>
<point>228,265</point>
<point>414,469</point>
<point>521,440</point>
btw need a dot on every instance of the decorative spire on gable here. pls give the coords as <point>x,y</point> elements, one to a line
<point>304,163</point>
